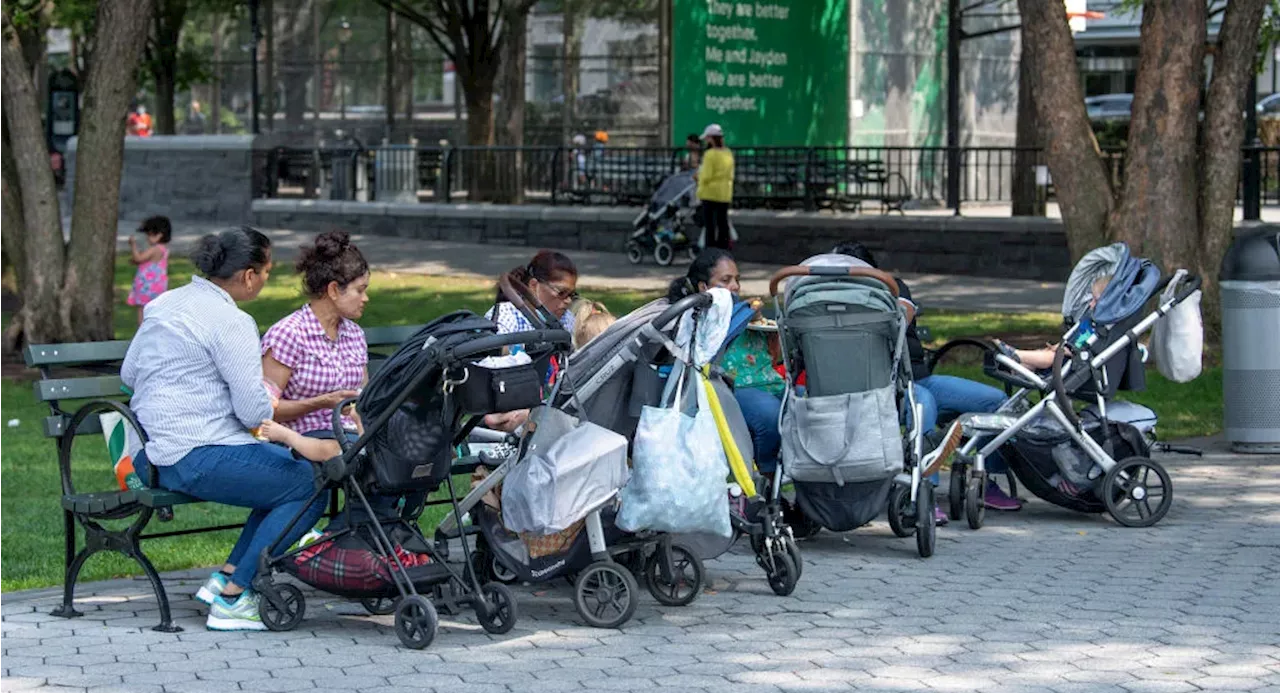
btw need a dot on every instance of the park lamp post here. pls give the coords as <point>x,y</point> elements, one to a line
<point>344,35</point>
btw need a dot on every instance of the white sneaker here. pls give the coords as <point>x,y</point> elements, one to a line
<point>212,588</point>
<point>242,615</point>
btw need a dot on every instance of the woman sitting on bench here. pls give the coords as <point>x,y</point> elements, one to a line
<point>196,374</point>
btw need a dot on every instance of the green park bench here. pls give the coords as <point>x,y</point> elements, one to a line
<point>88,376</point>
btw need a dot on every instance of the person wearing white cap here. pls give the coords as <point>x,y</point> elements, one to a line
<point>715,187</point>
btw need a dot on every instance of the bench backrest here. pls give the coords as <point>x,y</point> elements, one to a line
<point>91,370</point>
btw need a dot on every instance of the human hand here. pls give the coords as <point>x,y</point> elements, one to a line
<point>506,421</point>
<point>330,400</point>
<point>133,242</point>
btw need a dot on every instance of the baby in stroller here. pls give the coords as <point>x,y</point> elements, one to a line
<point>1096,460</point>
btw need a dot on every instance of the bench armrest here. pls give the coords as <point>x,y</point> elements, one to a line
<point>93,408</point>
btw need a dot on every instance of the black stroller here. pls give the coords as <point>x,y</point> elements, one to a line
<point>419,403</point>
<point>669,224</point>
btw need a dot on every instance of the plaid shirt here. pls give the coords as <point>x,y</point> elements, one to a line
<point>320,365</point>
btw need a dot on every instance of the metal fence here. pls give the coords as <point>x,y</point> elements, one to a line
<point>843,179</point>
<point>847,179</point>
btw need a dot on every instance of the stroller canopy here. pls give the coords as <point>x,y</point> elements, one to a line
<point>1133,281</point>
<point>676,188</point>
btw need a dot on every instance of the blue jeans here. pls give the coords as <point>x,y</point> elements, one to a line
<point>760,410</point>
<point>947,394</point>
<point>260,476</point>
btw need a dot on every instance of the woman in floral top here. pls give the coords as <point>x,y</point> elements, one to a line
<point>747,360</point>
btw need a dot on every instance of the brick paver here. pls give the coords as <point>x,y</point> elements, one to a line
<point>1043,600</point>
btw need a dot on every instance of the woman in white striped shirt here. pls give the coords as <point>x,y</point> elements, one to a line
<point>196,373</point>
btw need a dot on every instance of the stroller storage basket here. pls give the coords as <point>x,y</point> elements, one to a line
<point>348,565</point>
<point>1045,458</point>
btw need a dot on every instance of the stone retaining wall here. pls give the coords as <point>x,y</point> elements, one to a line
<point>1022,248</point>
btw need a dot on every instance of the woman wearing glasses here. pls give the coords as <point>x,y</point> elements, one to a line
<point>549,284</point>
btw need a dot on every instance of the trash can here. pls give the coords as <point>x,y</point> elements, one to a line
<point>1250,285</point>
<point>395,173</point>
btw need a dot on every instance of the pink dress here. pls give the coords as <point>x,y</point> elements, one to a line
<point>151,280</point>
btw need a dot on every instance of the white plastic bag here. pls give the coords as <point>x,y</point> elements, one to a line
<point>678,472</point>
<point>1177,341</point>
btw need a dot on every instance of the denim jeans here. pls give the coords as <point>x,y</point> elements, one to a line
<point>946,394</point>
<point>760,410</point>
<point>260,476</point>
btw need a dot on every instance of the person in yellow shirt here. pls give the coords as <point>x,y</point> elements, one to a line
<point>715,187</point>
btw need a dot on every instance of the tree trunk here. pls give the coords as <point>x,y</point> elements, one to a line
<point>1079,176</point>
<point>477,93</point>
<point>571,77</point>
<point>1027,201</point>
<point>1221,138</point>
<point>269,66</point>
<point>294,39</point>
<point>166,87</point>
<point>389,89</point>
<point>86,298</point>
<point>404,77</point>
<point>510,118</point>
<point>1160,191</point>
<point>31,199</point>
<point>162,51</point>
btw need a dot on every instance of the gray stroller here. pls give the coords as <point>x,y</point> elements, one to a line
<point>668,225</point>
<point>842,442</point>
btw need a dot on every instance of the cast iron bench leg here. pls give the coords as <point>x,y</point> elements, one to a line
<point>74,563</point>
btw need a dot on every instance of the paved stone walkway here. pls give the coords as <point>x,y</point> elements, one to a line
<point>1038,601</point>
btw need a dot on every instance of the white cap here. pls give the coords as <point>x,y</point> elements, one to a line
<point>713,130</point>
<point>579,139</point>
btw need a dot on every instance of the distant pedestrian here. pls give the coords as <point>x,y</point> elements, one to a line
<point>692,152</point>
<point>139,122</point>
<point>715,188</point>
<point>152,278</point>
<point>195,123</point>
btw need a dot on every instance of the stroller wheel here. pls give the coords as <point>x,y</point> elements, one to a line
<point>793,551</point>
<point>687,576</point>
<point>975,505</point>
<point>502,612</point>
<point>1137,492</point>
<point>926,524</point>
<point>634,254</point>
<point>901,520</point>
<point>663,254</point>
<point>784,576</point>
<point>605,595</point>
<point>282,607</point>
<point>955,492</point>
<point>416,622</point>
<point>379,606</point>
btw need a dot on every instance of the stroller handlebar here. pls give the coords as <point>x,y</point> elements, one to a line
<point>556,338</point>
<point>803,271</point>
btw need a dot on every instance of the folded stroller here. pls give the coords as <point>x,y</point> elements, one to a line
<point>417,404</point>
<point>842,441</point>
<point>606,383</point>
<point>667,225</point>
<point>1097,460</point>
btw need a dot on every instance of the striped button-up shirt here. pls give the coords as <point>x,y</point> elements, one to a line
<point>196,373</point>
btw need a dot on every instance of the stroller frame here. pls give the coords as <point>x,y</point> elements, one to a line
<point>416,620</point>
<point>645,239</point>
<point>1126,484</point>
<point>911,500</point>
<point>605,573</point>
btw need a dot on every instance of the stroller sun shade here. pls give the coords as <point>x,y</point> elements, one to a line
<point>671,190</point>
<point>1133,281</point>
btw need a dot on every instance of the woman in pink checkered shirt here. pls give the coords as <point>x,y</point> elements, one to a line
<point>317,356</point>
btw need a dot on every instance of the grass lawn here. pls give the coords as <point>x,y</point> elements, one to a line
<point>32,525</point>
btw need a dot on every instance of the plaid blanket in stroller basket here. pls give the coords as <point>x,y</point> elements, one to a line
<point>349,564</point>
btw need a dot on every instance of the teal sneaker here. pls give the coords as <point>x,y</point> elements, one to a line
<point>242,615</point>
<point>210,590</point>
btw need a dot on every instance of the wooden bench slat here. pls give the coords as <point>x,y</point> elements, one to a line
<point>78,388</point>
<point>37,355</point>
<point>54,426</point>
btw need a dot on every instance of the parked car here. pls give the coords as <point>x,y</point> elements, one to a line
<point>1269,107</point>
<point>1109,107</point>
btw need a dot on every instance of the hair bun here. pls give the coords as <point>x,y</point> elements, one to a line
<point>210,254</point>
<point>331,245</point>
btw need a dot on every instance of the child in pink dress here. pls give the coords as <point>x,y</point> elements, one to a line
<point>152,278</point>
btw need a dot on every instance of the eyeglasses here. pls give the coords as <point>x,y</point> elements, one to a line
<point>562,293</point>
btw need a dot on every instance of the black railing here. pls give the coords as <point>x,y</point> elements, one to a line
<point>847,179</point>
